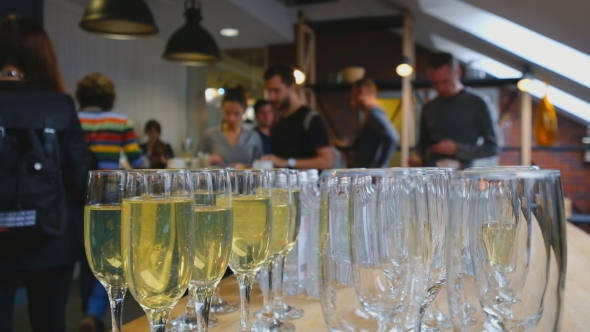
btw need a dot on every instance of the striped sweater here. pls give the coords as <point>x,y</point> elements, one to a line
<point>106,133</point>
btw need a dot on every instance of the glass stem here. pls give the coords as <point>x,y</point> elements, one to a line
<point>277,283</point>
<point>203,296</point>
<point>245,282</point>
<point>116,296</point>
<point>158,318</point>
<point>266,286</point>
<point>191,311</point>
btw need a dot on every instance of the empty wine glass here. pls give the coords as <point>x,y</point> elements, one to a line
<point>157,237</point>
<point>390,246</point>
<point>437,181</point>
<point>252,229</point>
<point>509,263</point>
<point>102,237</point>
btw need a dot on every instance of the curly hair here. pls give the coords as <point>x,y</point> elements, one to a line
<point>96,90</point>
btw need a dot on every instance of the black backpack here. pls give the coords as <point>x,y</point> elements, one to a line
<point>32,196</point>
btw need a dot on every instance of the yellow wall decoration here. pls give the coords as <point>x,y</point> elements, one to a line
<point>545,124</point>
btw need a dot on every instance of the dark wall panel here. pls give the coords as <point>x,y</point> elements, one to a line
<point>29,8</point>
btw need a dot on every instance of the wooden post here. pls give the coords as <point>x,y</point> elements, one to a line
<point>408,122</point>
<point>306,60</point>
<point>526,127</point>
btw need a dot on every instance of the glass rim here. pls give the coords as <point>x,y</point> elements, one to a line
<point>107,171</point>
<point>156,171</point>
<point>507,174</point>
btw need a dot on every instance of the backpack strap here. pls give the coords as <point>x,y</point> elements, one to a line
<point>49,137</point>
<point>2,134</point>
<point>308,117</point>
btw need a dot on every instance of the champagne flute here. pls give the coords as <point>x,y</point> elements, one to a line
<point>282,227</point>
<point>390,257</point>
<point>157,236</point>
<point>252,222</point>
<point>214,235</point>
<point>102,237</point>
<point>431,318</point>
<point>282,310</point>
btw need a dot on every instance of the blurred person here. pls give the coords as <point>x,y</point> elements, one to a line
<point>107,134</point>
<point>456,127</point>
<point>376,139</point>
<point>231,144</point>
<point>30,78</point>
<point>298,138</point>
<point>157,152</point>
<point>264,120</point>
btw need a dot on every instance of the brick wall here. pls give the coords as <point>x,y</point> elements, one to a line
<point>379,53</point>
<point>575,173</point>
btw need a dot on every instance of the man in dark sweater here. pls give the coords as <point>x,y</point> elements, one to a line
<point>376,139</point>
<point>456,127</point>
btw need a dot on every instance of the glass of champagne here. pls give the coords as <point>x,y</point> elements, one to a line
<point>214,235</point>
<point>102,237</point>
<point>157,236</point>
<point>282,310</point>
<point>252,228</point>
<point>281,201</point>
<point>509,264</point>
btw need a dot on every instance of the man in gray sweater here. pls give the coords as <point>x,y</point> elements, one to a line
<point>456,127</point>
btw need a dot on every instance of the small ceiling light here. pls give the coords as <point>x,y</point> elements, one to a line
<point>229,32</point>
<point>404,69</point>
<point>118,19</point>
<point>221,91</point>
<point>192,45</point>
<point>526,82</point>
<point>299,77</point>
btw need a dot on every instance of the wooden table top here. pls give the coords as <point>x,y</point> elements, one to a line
<point>577,296</point>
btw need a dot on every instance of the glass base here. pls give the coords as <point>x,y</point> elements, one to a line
<point>189,324</point>
<point>434,321</point>
<point>273,325</point>
<point>223,307</point>
<point>284,311</point>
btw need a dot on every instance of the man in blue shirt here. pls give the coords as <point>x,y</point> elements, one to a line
<point>376,139</point>
<point>264,121</point>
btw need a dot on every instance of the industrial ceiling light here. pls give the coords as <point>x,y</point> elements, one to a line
<point>299,76</point>
<point>526,81</point>
<point>119,19</point>
<point>405,68</point>
<point>192,45</point>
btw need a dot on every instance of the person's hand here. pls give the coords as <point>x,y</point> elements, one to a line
<point>215,159</point>
<point>445,147</point>
<point>415,161</point>
<point>339,143</point>
<point>276,161</point>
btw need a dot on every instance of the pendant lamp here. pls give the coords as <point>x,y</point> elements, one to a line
<point>191,44</point>
<point>119,19</point>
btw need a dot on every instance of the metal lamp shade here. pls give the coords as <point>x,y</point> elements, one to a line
<point>119,19</point>
<point>192,45</point>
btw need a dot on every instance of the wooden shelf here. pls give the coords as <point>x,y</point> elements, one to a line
<point>417,84</point>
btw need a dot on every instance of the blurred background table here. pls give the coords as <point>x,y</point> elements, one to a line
<point>575,318</point>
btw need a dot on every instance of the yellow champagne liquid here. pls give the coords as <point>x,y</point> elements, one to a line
<point>281,221</point>
<point>102,240</point>
<point>295,221</point>
<point>157,248</point>
<point>213,241</point>
<point>252,217</point>
<point>498,239</point>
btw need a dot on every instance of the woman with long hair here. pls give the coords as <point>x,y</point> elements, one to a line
<point>42,263</point>
<point>231,144</point>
